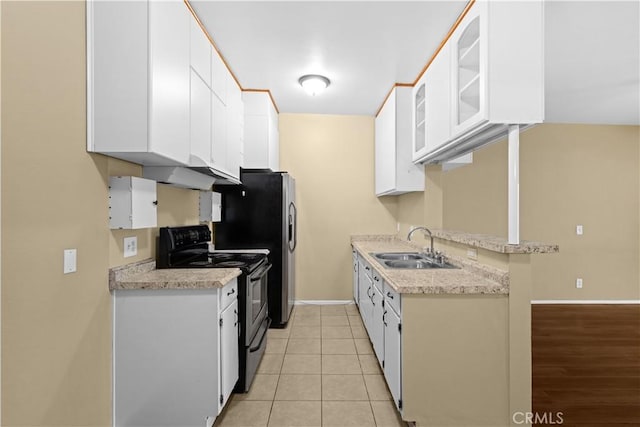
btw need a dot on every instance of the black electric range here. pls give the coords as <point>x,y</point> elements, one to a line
<point>187,247</point>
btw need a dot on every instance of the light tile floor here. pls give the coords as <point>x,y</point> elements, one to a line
<point>319,371</point>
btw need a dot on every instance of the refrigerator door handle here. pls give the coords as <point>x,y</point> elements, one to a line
<point>293,227</point>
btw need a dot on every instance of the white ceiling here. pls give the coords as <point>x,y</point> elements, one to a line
<point>362,47</point>
<point>592,52</point>
<point>592,62</point>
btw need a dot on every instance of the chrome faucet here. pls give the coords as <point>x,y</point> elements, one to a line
<point>423,229</point>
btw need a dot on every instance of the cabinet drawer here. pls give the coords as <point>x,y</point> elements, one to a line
<point>377,281</point>
<point>228,294</point>
<point>367,270</point>
<point>392,298</point>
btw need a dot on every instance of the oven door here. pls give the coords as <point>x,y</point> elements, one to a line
<point>256,308</point>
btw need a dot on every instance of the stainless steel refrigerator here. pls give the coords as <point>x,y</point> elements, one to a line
<point>261,213</point>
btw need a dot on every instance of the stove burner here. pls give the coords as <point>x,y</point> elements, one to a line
<point>231,264</point>
<point>222,257</point>
<point>199,263</point>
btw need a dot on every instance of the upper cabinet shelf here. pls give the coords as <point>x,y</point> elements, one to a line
<point>489,74</point>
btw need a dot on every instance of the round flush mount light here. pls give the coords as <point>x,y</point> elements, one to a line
<point>314,83</point>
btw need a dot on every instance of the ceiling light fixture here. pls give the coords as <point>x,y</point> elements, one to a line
<point>314,83</point>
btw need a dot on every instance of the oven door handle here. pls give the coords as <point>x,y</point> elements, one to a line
<point>258,275</point>
<point>256,348</point>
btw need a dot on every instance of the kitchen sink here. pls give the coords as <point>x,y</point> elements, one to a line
<point>399,256</point>
<point>417,264</point>
<point>410,261</point>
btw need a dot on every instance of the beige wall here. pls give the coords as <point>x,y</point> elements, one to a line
<point>176,206</point>
<point>570,174</point>
<point>331,158</point>
<point>56,328</point>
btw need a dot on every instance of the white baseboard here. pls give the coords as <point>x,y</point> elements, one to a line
<point>590,301</point>
<point>323,301</point>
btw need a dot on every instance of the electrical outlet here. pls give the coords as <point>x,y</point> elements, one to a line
<point>130,246</point>
<point>579,283</point>
<point>472,254</point>
<point>70,261</point>
<point>579,230</point>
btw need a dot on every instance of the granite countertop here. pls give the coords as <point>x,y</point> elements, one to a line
<point>144,275</point>
<point>494,243</point>
<point>471,278</point>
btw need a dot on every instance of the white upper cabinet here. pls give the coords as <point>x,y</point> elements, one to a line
<point>235,127</point>
<point>495,78</point>
<point>219,74</point>
<point>200,53</point>
<point>200,121</point>
<point>261,135</point>
<point>419,118</point>
<point>497,65</point>
<point>437,101</point>
<point>138,81</point>
<point>394,171</point>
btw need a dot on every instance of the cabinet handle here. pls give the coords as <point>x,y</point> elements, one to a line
<point>155,203</point>
<point>368,289</point>
<point>383,316</point>
<point>376,278</point>
<point>366,268</point>
<point>233,291</point>
<point>235,312</point>
<point>389,295</point>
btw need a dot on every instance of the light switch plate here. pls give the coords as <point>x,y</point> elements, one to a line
<point>70,260</point>
<point>130,246</point>
<point>579,283</point>
<point>579,230</point>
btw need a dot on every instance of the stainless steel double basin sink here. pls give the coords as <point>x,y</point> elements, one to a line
<point>410,261</point>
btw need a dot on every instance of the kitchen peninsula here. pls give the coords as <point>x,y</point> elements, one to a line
<point>463,342</point>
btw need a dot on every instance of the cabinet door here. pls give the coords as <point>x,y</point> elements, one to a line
<point>200,52</point>
<point>468,52</point>
<point>219,132</point>
<point>234,126</point>
<point>169,86</point>
<point>200,122</point>
<point>385,147</point>
<point>219,73</point>
<point>419,119</point>
<point>228,352</point>
<point>355,277</point>
<point>364,287</point>
<point>377,327</point>
<point>393,355</point>
<point>274,139</point>
<point>437,101</point>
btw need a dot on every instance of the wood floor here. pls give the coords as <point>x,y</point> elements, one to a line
<point>586,363</point>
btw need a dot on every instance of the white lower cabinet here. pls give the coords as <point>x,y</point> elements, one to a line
<point>365,285</point>
<point>381,312</point>
<point>175,358</point>
<point>376,332</point>
<point>393,353</point>
<point>355,276</point>
<point>228,352</point>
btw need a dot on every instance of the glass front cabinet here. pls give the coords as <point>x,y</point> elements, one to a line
<point>490,73</point>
